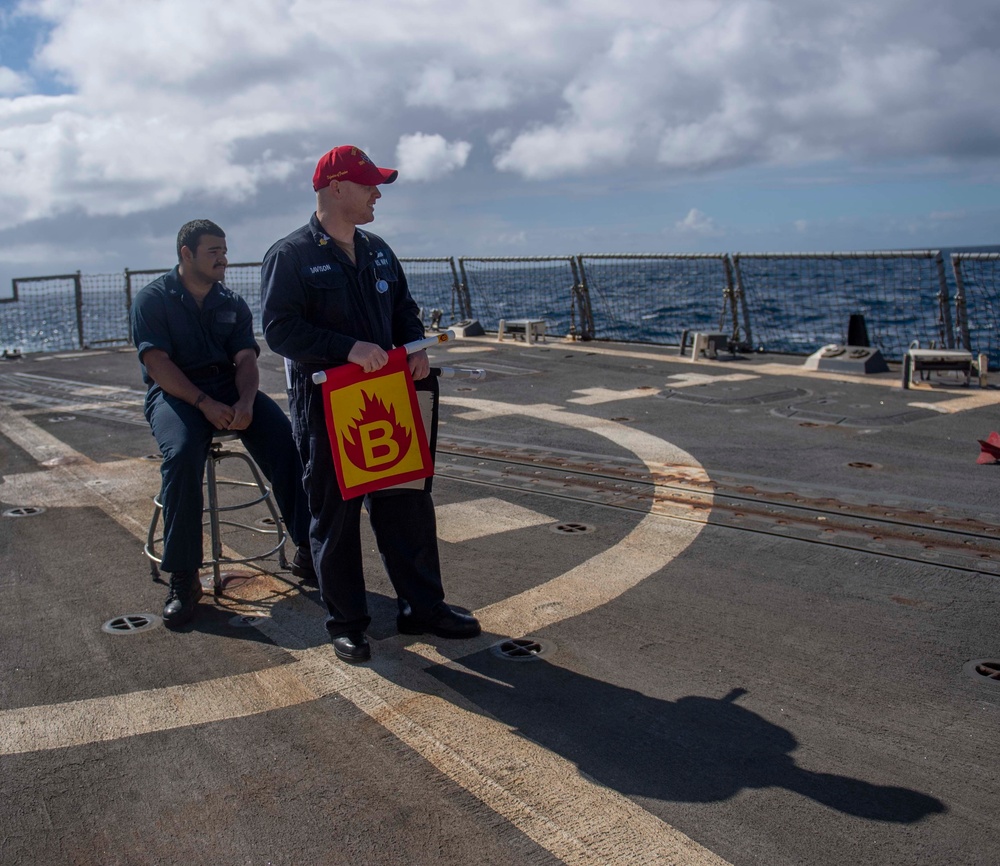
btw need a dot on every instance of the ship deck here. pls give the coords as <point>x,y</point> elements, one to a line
<point>732,613</point>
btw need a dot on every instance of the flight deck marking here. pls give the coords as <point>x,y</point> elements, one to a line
<point>479,518</point>
<point>687,380</point>
<point>975,400</point>
<point>539,792</point>
<point>596,396</point>
<point>934,407</point>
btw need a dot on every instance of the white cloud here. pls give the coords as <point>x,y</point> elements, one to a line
<point>673,85</point>
<point>698,223</point>
<point>511,239</point>
<point>13,83</point>
<point>439,87</point>
<point>429,157</point>
<point>778,83</point>
<point>174,106</point>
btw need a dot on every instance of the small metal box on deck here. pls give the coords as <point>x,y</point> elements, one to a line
<point>708,343</point>
<point>530,329</point>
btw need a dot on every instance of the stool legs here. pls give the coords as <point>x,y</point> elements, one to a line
<point>215,521</point>
<point>150,547</point>
<point>213,518</point>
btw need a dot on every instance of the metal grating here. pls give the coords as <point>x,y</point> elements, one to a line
<point>24,511</point>
<point>131,623</point>
<point>522,649</point>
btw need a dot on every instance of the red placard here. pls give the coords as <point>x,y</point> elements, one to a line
<point>376,432</point>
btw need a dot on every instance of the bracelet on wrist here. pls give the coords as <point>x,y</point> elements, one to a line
<point>199,398</point>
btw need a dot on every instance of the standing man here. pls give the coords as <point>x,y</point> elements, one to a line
<point>333,294</point>
<point>199,360</point>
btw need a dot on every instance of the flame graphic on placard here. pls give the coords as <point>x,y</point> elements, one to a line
<point>376,441</point>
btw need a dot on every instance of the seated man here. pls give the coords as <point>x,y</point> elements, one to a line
<point>199,358</point>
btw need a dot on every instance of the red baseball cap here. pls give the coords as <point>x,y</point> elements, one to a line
<point>348,162</point>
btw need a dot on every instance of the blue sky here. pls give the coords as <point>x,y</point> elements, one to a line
<point>533,127</point>
<point>20,37</point>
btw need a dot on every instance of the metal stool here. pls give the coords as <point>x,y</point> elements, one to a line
<point>216,454</point>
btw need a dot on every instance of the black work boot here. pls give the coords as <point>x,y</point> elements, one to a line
<point>182,600</point>
<point>302,566</point>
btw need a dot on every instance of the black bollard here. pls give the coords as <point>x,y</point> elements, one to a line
<point>857,331</point>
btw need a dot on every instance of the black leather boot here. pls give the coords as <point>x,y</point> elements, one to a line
<point>182,600</point>
<point>302,566</point>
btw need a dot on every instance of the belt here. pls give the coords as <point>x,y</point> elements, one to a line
<point>210,371</point>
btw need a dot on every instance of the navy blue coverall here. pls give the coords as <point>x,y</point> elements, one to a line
<point>316,304</point>
<point>202,343</point>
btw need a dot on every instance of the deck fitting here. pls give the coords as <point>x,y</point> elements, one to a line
<point>984,670</point>
<point>521,649</point>
<point>131,623</point>
<point>24,511</point>
<point>247,620</point>
<point>571,528</point>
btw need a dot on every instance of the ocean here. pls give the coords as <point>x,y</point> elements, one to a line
<point>774,302</point>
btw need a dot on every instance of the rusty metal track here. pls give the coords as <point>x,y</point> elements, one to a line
<point>929,534</point>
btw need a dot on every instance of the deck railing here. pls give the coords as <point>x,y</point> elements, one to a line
<point>775,302</point>
<point>523,287</point>
<point>800,301</point>
<point>977,302</point>
<point>654,298</point>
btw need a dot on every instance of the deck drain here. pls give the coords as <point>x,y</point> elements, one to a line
<point>521,649</point>
<point>857,464</point>
<point>984,670</point>
<point>24,511</point>
<point>247,620</point>
<point>572,528</point>
<point>131,623</point>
